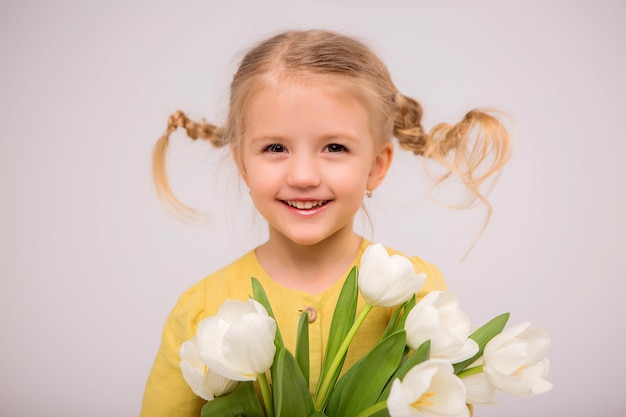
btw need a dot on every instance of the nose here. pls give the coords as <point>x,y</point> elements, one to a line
<point>304,171</point>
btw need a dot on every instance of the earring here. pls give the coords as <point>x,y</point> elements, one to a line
<point>368,193</point>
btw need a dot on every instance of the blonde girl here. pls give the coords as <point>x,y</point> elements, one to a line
<point>310,125</point>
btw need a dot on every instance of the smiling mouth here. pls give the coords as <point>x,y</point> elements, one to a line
<point>305,205</point>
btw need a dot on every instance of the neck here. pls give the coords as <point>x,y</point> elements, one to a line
<point>311,268</point>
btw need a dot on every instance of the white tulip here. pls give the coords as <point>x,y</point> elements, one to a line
<point>429,389</point>
<point>238,342</point>
<point>387,281</point>
<point>438,318</point>
<point>202,381</point>
<point>515,360</point>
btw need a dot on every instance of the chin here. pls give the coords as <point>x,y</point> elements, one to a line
<point>307,241</point>
<point>312,239</point>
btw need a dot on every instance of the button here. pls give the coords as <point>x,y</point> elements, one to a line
<point>311,312</point>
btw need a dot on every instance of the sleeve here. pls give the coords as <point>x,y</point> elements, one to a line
<point>166,393</point>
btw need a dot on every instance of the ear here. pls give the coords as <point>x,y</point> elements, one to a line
<point>238,158</point>
<point>380,166</point>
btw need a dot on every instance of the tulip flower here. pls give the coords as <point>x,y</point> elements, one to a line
<point>515,360</point>
<point>202,381</point>
<point>429,389</point>
<point>238,342</point>
<point>387,281</point>
<point>438,318</point>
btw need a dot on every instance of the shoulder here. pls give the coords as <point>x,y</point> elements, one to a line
<point>204,298</point>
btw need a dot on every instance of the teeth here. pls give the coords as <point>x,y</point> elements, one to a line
<point>305,205</point>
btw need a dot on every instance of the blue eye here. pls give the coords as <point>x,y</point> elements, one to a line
<point>335,147</point>
<point>275,148</point>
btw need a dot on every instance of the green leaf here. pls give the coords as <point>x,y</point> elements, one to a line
<point>371,377</point>
<point>342,321</point>
<point>291,391</point>
<point>340,386</point>
<point>399,317</point>
<point>381,413</point>
<point>420,355</point>
<point>243,402</point>
<point>302,345</point>
<point>260,296</point>
<point>408,306</point>
<point>482,336</point>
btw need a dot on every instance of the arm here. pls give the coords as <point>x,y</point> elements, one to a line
<point>166,393</point>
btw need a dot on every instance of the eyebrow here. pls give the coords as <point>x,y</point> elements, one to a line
<point>327,137</point>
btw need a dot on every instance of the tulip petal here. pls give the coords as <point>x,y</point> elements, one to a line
<point>479,390</point>
<point>397,402</point>
<point>454,403</point>
<point>387,281</point>
<point>509,357</point>
<point>195,381</point>
<point>375,268</point>
<point>538,343</point>
<point>218,384</point>
<point>421,324</point>
<point>189,353</point>
<point>252,358</point>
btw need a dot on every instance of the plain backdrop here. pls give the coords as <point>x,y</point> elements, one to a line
<point>91,263</point>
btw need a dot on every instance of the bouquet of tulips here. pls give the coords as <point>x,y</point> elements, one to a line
<point>428,362</point>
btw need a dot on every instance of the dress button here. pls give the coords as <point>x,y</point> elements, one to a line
<point>311,312</point>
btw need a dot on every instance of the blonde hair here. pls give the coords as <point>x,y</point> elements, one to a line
<point>473,150</point>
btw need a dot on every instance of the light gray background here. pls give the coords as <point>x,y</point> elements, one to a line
<point>91,264</point>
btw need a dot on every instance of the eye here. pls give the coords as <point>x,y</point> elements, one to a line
<point>335,147</point>
<point>275,148</point>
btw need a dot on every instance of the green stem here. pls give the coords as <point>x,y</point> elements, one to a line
<point>267,395</point>
<point>373,409</point>
<point>320,400</point>
<point>470,371</point>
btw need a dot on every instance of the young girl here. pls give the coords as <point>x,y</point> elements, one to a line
<point>310,125</point>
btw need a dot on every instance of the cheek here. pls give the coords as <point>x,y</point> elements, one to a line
<point>350,180</point>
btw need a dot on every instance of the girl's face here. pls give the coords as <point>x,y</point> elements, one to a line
<point>308,156</point>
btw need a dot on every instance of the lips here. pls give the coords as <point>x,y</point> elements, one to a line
<point>305,204</point>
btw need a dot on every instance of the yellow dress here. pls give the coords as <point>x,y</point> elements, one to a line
<point>168,395</point>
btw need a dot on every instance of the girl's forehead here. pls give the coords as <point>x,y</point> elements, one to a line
<point>310,82</point>
<point>305,101</point>
<point>303,88</point>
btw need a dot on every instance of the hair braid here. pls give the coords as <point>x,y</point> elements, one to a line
<point>195,131</point>
<point>407,125</point>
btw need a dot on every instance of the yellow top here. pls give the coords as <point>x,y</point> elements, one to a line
<point>167,394</point>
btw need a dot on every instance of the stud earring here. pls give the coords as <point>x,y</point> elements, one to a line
<point>368,193</point>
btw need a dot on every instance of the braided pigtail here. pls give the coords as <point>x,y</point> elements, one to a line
<point>407,126</point>
<point>195,131</point>
<point>473,150</point>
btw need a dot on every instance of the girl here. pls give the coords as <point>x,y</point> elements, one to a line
<point>310,122</point>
